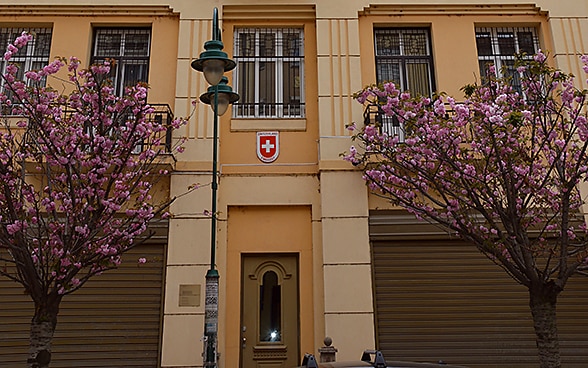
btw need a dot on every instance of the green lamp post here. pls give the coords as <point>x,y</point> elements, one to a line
<point>213,63</point>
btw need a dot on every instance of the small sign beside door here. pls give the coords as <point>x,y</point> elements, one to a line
<point>268,146</point>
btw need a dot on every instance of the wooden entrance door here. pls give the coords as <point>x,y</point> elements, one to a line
<point>269,311</point>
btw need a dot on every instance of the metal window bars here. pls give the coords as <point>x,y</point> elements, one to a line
<point>403,56</point>
<point>129,48</point>
<point>499,46</point>
<point>34,56</point>
<point>270,73</point>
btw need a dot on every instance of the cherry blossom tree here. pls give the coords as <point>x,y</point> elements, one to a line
<point>78,171</point>
<point>503,170</point>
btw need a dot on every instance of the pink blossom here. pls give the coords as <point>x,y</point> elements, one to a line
<point>23,39</point>
<point>539,56</point>
<point>13,228</point>
<point>33,75</point>
<point>492,70</point>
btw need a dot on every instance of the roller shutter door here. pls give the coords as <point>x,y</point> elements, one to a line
<point>438,298</point>
<point>113,321</point>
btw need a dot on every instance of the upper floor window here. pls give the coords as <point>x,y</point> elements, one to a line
<point>403,56</point>
<point>270,73</point>
<point>130,50</point>
<point>498,45</point>
<point>34,56</point>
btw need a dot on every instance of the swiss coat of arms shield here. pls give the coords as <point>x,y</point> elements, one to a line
<point>268,146</point>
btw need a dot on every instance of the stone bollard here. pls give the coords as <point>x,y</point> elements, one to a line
<point>327,353</point>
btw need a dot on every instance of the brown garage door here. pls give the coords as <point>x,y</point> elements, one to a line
<point>113,321</point>
<point>438,298</point>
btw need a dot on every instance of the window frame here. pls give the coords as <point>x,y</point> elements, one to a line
<point>280,107</point>
<point>29,60</point>
<point>496,57</point>
<point>403,58</point>
<point>122,58</point>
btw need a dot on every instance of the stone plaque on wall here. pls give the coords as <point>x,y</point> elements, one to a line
<point>189,295</point>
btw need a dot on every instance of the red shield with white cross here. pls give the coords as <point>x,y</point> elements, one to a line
<point>268,146</point>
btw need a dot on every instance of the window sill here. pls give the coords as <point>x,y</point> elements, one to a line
<point>247,125</point>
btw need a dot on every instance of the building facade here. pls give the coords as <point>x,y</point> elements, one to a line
<point>303,250</point>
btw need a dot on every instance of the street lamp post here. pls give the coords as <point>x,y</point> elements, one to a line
<point>213,63</point>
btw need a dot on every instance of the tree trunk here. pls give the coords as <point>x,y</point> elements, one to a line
<point>41,336</point>
<point>543,301</point>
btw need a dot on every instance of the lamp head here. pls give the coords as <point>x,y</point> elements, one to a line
<point>226,96</point>
<point>213,62</point>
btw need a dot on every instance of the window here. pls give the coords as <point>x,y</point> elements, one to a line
<point>270,73</point>
<point>403,56</point>
<point>498,46</point>
<point>34,56</point>
<point>129,48</point>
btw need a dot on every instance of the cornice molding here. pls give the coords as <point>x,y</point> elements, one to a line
<point>262,12</point>
<point>437,9</point>
<point>85,10</point>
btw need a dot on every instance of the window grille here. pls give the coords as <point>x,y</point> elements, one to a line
<point>403,56</point>
<point>270,73</point>
<point>34,56</point>
<point>498,45</point>
<point>130,50</point>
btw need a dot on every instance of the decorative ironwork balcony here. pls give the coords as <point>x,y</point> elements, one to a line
<point>266,110</point>
<point>162,115</point>
<point>390,125</point>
